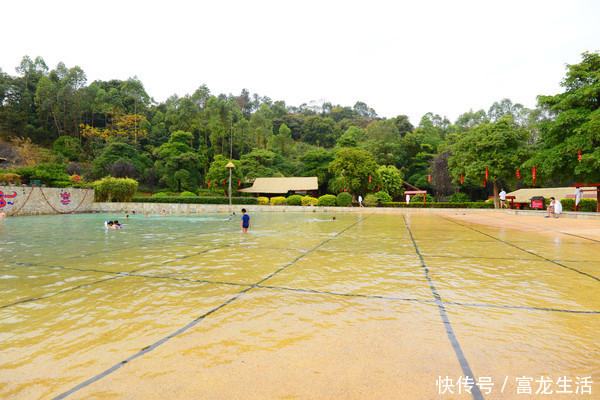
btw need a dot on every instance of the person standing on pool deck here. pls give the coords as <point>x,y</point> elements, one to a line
<point>502,196</point>
<point>245,221</point>
<point>360,200</point>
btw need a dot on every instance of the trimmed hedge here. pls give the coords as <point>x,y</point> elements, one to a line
<point>588,205</point>
<point>115,189</point>
<point>370,200</point>
<point>294,200</point>
<point>195,200</point>
<point>383,196</point>
<point>188,194</point>
<point>309,201</point>
<point>344,199</point>
<point>418,198</point>
<point>439,205</point>
<point>327,200</point>
<point>278,201</point>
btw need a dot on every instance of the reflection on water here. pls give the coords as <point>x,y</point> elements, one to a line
<point>301,306</point>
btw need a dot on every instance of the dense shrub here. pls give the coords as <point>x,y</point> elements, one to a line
<point>477,204</point>
<point>459,198</point>
<point>9,177</point>
<point>294,200</point>
<point>210,192</point>
<point>309,201</point>
<point>196,200</point>
<point>370,200</point>
<point>160,194</point>
<point>47,173</point>
<point>419,199</point>
<point>568,204</point>
<point>263,201</point>
<point>62,184</point>
<point>383,196</point>
<point>327,200</point>
<point>278,201</point>
<point>344,199</point>
<point>119,189</point>
<point>589,205</point>
<point>188,194</point>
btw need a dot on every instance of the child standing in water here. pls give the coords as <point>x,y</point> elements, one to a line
<point>245,221</point>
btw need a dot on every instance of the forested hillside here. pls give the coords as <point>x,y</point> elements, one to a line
<point>58,124</point>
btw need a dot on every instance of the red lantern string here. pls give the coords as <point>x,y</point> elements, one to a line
<point>486,173</point>
<point>461,179</point>
<point>579,156</point>
<point>484,185</point>
<point>429,178</point>
<point>378,188</point>
<point>239,182</point>
<point>224,180</point>
<point>369,178</point>
<point>518,175</point>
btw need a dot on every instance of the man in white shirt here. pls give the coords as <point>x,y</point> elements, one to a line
<point>503,199</point>
<point>555,207</point>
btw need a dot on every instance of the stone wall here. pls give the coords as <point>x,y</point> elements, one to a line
<point>20,200</point>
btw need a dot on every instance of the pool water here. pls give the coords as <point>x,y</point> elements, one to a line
<point>372,306</point>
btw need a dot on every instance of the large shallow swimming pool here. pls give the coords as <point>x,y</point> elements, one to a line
<point>372,306</point>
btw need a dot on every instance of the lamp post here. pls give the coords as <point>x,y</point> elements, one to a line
<point>229,166</point>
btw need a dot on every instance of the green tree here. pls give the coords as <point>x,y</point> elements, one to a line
<point>352,168</point>
<point>283,143</point>
<point>177,163</point>
<point>117,152</point>
<point>319,131</point>
<point>219,173</point>
<point>316,163</point>
<point>499,146</point>
<point>390,180</point>
<point>575,128</point>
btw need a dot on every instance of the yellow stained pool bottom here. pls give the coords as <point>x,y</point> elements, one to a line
<point>372,306</point>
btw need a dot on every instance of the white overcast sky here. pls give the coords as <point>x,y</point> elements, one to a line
<point>399,57</point>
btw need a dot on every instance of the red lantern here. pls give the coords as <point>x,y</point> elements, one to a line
<point>369,178</point>
<point>461,179</point>
<point>340,190</point>
<point>208,183</point>
<point>484,185</point>
<point>429,178</point>
<point>579,156</point>
<point>224,180</point>
<point>518,175</point>
<point>378,188</point>
<point>345,190</point>
<point>239,182</point>
<point>533,175</point>
<point>486,173</point>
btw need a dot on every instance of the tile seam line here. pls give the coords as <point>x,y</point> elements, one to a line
<point>193,323</point>
<point>462,359</point>
<point>526,251</point>
<point>115,275</point>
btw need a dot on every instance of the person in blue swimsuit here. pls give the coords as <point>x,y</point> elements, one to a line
<point>245,221</point>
